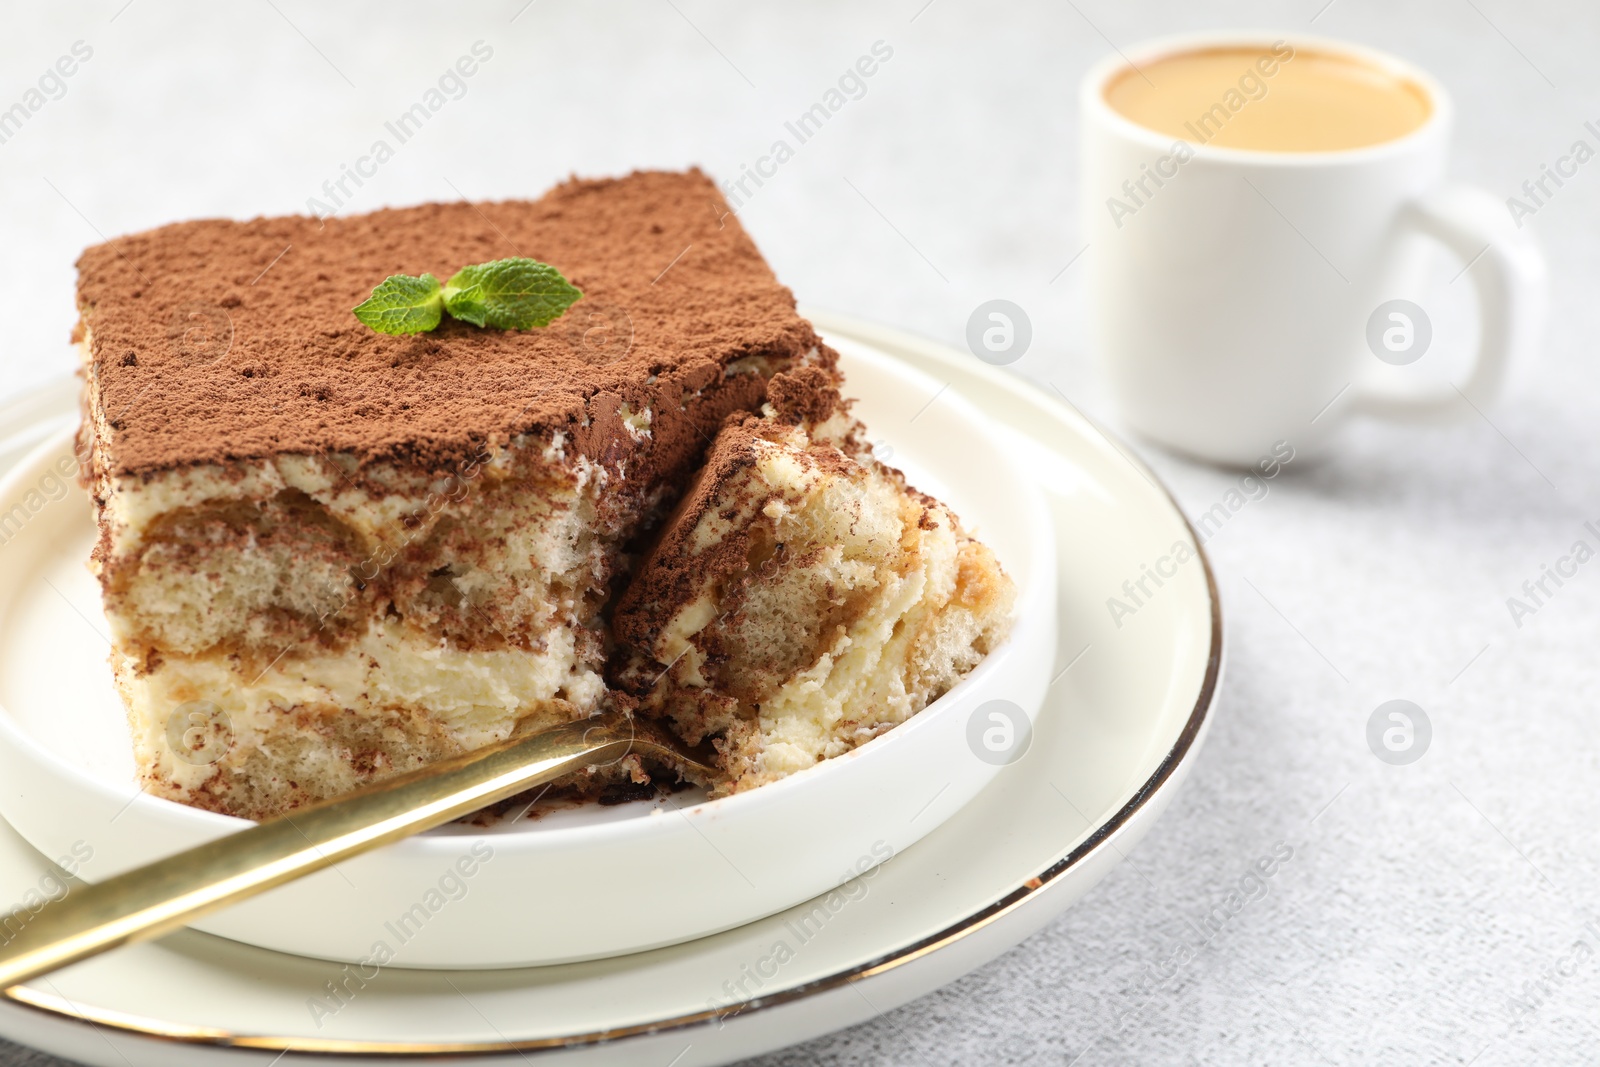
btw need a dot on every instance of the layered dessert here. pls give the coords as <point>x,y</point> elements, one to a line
<point>359,553</point>
<point>802,599</point>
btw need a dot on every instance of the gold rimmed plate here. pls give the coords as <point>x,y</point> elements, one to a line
<point>1123,719</point>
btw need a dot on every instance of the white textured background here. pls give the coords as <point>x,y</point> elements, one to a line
<point>1422,899</point>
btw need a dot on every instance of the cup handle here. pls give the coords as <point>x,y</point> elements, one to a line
<point>1508,275</point>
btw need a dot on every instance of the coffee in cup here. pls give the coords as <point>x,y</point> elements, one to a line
<point>1255,205</point>
<point>1273,98</point>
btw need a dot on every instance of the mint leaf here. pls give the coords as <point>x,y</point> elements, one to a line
<point>403,304</point>
<point>509,294</point>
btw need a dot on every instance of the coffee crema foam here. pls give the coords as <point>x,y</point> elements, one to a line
<point>1270,99</point>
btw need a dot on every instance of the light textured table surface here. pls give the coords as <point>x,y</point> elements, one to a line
<point>1431,913</point>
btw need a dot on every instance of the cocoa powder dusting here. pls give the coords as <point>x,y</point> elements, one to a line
<point>218,341</point>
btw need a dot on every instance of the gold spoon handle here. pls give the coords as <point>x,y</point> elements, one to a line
<point>156,899</point>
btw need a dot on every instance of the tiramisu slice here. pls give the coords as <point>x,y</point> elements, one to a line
<point>328,554</point>
<point>803,599</point>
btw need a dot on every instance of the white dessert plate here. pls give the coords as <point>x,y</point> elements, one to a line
<point>1122,721</point>
<point>565,886</point>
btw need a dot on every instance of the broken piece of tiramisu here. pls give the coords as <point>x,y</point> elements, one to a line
<point>803,599</point>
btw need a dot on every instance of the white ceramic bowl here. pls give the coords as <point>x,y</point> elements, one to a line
<point>578,884</point>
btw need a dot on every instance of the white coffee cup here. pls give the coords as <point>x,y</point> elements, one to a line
<point>1232,307</point>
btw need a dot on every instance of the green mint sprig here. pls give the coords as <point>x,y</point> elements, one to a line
<point>507,294</point>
